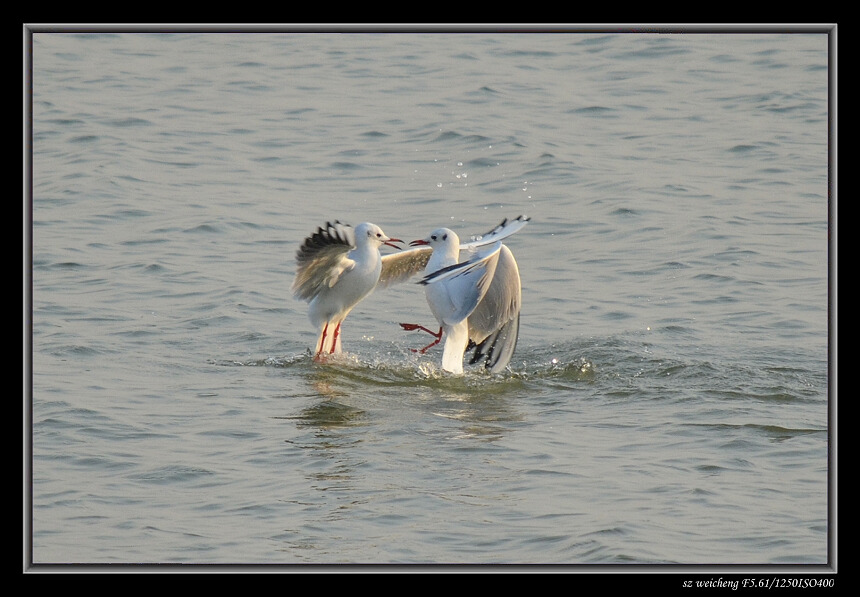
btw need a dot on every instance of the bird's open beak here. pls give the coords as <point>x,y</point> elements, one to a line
<point>390,242</point>
<point>419,242</point>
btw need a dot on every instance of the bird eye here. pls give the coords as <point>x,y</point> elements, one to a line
<point>378,235</point>
<point>433,237</point>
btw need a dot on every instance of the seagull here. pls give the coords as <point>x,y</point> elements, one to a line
<point>473,289</point>
<point>337,268</point>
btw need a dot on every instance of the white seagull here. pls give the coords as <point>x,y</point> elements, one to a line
<point>336,270</point>
<point>473,290</point>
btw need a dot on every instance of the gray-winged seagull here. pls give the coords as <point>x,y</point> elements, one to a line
<point>473,289</point>
<point>337,268</point>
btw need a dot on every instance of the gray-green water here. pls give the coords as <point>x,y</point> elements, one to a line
<point>668,402</point>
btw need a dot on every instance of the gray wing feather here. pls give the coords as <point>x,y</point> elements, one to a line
<point>498,348</point>
<point>494,324</point>
<point>399,267</point>
<point>322,259</point>
<point>500,232</point>
<point>468,282</point>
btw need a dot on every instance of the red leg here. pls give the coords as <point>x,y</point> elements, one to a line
<point>412,326</point>
<point>334,339</point>
<point>322,342</point>
<point>431,345</point>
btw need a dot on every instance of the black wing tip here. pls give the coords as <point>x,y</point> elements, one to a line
<point>330,234</point>
<point>504,222</point>
<point>330,230</point>
<point>486,350</point>
<point>519,218</point>
<point>483,351</point>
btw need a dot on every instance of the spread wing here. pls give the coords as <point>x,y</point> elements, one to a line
<point>502,231</point>
<point>399,267</point>
<point>466,283</point>
<point>494,324</point>
<point>322,259</point>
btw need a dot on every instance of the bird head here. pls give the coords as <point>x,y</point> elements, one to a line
<point>374,234</point>
<point>441,237</point>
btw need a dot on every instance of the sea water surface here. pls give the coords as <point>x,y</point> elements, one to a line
<point>668,402</point>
